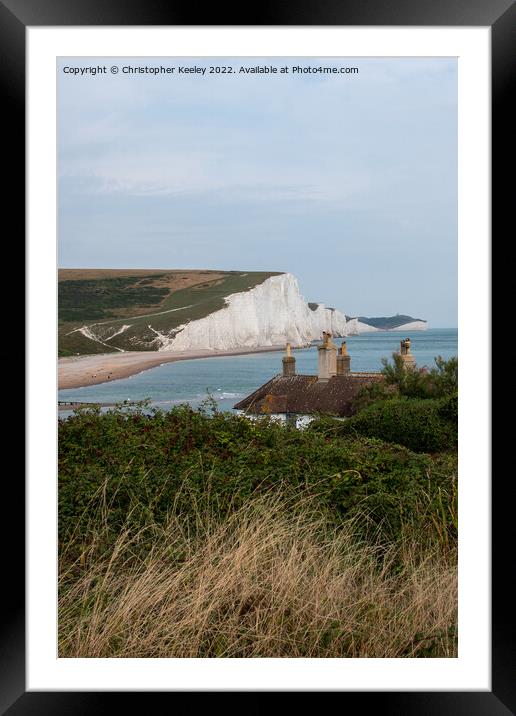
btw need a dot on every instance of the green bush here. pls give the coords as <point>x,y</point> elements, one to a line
<point>438,382</point>
<point>449,407</point>
<point>422,425</point>
<point>125,462</point>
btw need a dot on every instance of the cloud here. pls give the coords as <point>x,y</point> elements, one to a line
<point>353,178</point>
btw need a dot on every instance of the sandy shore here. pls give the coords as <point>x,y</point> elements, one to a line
<point>76,372</point>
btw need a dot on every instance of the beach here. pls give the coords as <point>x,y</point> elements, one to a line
<point>80,371</point>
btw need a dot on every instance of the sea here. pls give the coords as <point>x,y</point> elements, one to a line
<point>228,379</point>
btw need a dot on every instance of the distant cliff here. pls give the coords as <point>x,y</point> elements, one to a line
<point>399,322</point>
<point>179,310</point>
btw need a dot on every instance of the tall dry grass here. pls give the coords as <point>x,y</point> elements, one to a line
<point>270,580</point>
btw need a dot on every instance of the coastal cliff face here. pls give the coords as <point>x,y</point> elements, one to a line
<point>272,313</point>
<point>106,310</point>
<point>412,326</point>
<point>355,327</point>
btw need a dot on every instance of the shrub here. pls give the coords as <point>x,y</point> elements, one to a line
<point>438,382</point>
<point>189,535</point>
<point>412,383</point>
<point>449,408</point>
<point>129,462</point>
<point>422,425</point>
<point>444,378</point>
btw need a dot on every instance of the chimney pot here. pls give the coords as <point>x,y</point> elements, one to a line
<point>343,360</point>
<point>289,362</point>
<point>327,359</point>
<point>406,356</point>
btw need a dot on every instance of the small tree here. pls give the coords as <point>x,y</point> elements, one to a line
<point>439,382</point>
<point>445,376</point>
<point>410,382</point>
<point>420,382</point>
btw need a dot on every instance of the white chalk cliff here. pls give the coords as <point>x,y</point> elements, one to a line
<point>412,326</point>
<point>270,314</point>
<point>356,327</point>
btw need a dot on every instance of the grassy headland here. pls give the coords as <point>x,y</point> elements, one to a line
<point>116,305</point>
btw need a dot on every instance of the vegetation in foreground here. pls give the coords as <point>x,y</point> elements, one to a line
<point>274,579</point>
<point>192,534</point>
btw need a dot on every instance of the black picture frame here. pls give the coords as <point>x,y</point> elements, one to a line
<point>500,16</point>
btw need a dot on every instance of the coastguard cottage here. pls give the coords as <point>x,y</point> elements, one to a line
<point>331,391</point>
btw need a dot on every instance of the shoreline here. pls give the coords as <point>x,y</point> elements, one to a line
<point>81,371</point>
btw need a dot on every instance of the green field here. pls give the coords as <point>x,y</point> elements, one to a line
<point>105,301</point>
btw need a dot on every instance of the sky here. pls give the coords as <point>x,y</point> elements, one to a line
<point>346,180</point>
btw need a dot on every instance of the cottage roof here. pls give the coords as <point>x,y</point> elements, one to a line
<point>305,394</point>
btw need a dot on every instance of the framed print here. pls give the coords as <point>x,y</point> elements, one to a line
<point>145,133</point>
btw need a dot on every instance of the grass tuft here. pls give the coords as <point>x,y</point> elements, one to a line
<point>275,578</point>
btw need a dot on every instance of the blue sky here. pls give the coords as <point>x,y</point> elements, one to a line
<point>348,181</point>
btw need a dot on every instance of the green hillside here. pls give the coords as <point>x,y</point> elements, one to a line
<point>105,310</point>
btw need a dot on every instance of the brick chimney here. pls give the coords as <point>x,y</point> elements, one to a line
<point>406,356</point>
<point>327,359</point>
<point>289,363</point>
<point>343,360</point>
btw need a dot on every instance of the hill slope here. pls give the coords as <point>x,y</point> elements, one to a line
<point>389,323</point>
<point>113,310</point>
<point>106,311</point>
<point>399,322</point>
